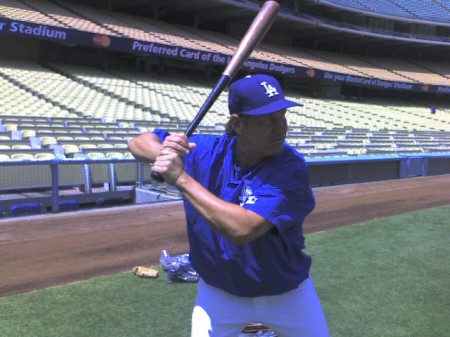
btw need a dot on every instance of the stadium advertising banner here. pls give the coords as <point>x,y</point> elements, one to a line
<point>27,29</point>
<point>128,45</point>
<point>177,52</point>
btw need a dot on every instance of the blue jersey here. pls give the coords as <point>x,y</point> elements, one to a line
<point>278,190</point>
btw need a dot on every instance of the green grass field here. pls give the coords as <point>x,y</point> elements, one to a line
<point>387,277</point>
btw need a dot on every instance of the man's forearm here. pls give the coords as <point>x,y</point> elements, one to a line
<point>145,147</point>
<point>233,221</point>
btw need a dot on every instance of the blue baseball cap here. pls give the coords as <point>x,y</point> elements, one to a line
<point>256,95</point>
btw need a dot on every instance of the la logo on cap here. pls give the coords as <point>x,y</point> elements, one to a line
<point>270,90</point>
<point>257,95</point>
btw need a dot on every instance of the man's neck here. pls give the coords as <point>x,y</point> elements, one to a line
<point>246,158</point>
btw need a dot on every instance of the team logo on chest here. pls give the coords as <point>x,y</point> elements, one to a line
<point>247,196</point>
<point>270,90</point>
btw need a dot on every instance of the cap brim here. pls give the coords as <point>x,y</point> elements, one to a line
<point>271,108</point>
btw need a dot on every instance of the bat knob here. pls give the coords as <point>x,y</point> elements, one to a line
<point>157,177</point>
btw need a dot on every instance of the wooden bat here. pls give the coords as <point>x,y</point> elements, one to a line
<point>255,33</point>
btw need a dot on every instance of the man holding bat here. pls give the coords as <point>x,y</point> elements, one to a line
<point>246,196</point>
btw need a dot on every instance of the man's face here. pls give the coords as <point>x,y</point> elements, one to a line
<point>264,135</point>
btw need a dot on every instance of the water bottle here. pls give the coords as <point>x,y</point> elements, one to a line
<point>165,260</point>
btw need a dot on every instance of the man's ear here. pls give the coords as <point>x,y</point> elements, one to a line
<point>236,123</point>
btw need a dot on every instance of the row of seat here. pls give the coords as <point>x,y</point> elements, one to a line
<point>179,103</point>
<point>317,141</point>
<point>427,10</point>
<point>26,156</point>
<point>175,100</point>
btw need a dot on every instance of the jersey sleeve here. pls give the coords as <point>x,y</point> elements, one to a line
<point>282,195</point>
<point>162,134</point>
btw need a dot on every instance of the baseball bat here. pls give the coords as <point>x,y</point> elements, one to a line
<point>255,33</point>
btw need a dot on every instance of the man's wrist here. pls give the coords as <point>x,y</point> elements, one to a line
<point>182,180</point>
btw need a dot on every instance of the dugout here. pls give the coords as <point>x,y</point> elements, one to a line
<point>348,170</point>
<point>59,185</point>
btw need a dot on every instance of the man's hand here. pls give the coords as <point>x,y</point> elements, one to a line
<point>169,163</point>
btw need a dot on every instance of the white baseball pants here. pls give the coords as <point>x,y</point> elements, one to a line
<point>297,313</point>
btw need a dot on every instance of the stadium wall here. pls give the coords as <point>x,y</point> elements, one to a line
<point>50,185</point>
<point>348,170</point>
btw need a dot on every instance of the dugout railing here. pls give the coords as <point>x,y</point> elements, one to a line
<point>61,184</point>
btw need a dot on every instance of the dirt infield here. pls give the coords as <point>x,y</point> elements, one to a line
<point>53,249</point>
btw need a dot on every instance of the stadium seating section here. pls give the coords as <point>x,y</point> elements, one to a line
<point>68,15</point>
<point>427,10</point>
<point>72,111</point>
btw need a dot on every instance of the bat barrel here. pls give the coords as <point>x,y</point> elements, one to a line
<point>255,33</point>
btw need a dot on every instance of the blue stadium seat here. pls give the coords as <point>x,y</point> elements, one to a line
<point>69,205</point>
<point>25,209</point>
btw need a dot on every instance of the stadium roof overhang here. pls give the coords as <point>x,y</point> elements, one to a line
<point>304,30</point>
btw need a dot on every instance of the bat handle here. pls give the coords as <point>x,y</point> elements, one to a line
<point>157,177</point>
<point>215,93</point>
